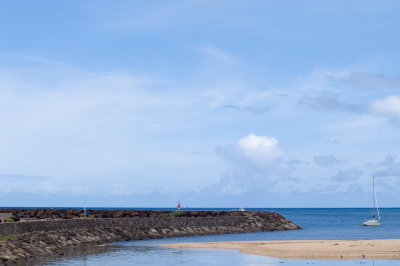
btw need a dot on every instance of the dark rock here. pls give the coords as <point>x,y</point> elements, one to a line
<point>118,214</point>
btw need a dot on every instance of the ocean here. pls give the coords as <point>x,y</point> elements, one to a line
<point>316,223</point>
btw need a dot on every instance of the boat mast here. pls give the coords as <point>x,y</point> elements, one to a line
<point>375,198</point>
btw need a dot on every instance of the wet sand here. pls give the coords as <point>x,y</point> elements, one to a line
<point>309,249</point>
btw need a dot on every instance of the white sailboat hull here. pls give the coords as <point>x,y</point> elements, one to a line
<point>371,222</point>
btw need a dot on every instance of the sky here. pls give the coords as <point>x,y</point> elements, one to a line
<point>208,102</point>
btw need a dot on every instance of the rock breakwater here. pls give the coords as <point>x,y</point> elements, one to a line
<point>53,237</point>
<point>70,213</point>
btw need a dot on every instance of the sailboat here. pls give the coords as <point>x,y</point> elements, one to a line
<point>373,221</point>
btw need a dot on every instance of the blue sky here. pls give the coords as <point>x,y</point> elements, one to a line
<point>212,103</point>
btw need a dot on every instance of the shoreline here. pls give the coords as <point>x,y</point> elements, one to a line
<point>387,249</point>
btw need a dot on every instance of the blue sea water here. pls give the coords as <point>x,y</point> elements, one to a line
<point>316,223</point>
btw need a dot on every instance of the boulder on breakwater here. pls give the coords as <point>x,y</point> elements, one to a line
<point>54,236</point>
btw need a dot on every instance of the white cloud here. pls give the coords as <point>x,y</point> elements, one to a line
<point>255,162</point>
<point>376,81</point>
<point>217,53</point>
<point>351,90</point>
<point>229,184</point>
<point>392,171</point>
<point>388,106</point>
<point>89,125</point>
<point>326,161</point>
<point>346,176</point>
<point>328,103</point>
<point>259,149</point>
<point>16,184</point>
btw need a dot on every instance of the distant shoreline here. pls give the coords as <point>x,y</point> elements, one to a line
<point>309,249</point>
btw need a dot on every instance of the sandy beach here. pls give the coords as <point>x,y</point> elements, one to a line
<point>309,249</point>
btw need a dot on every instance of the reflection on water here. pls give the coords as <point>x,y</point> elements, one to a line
<point>148,252</point>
